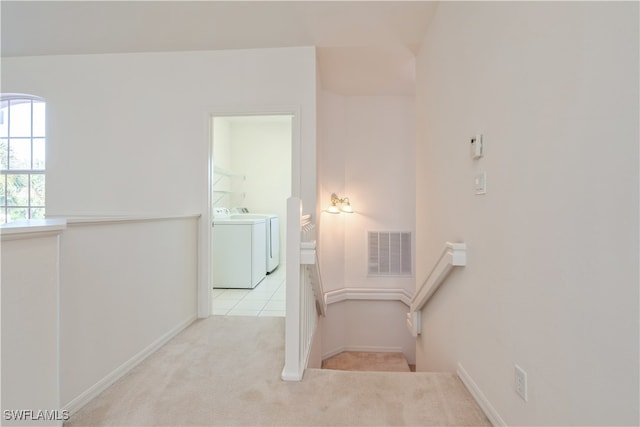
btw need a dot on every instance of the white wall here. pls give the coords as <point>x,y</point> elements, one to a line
<point>365,152</point>
<point>379,179</point>
<point>552,277</point>
<point>261,150</point>
<point>331,170</point>
<point>356,325</point>
<point>130,133</point>
<point>125,288</point>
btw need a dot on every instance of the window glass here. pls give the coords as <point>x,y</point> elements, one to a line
<point>36,189</point>
<point>3,186</point>
<point>19,118</point>
<point>14,214</point>
<point>19,153</point>
<point>4,153</point>
<point>18,190</point>
<point>38,153</point>
<point>38,119</point>
<point>4,122</point>
<point>37,213</point>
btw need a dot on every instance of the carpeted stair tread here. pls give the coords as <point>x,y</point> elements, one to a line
<point>367,361</point>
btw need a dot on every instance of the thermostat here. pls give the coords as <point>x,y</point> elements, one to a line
<point>477,148</point>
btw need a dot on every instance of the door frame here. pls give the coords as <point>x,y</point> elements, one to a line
<point>204,249</point>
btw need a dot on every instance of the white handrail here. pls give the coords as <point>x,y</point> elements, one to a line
<point>318,289</point>
<point>453,255</point>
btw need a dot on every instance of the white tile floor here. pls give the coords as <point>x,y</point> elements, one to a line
<point>266,299</point>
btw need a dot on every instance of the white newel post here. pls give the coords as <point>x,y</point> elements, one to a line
<point>292,370</point>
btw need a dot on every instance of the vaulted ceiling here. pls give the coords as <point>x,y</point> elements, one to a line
<point>364,47</point>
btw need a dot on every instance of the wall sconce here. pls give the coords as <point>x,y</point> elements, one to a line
<point>339,205</point>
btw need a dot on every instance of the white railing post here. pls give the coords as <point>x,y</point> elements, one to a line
<point>292,370</point>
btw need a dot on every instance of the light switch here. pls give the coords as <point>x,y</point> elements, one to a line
<point>480,183</point>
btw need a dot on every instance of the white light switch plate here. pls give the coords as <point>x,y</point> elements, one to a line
<point>480,183</point>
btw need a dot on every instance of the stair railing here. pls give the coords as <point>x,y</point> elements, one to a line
<point>304,296</point>
<point>453,255</point>
<point>309,258</point>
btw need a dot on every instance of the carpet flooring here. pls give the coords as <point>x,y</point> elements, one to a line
<point>225,371</point>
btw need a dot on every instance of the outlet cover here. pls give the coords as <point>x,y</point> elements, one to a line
<point>521,383</point>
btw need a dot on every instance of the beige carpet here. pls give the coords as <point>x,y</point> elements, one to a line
<point>225,371</point>
<point>367,361</point>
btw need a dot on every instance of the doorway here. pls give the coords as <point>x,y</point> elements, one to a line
<point>251,175</point>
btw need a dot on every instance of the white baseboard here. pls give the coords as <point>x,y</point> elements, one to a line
<point>480,398</point>
<point>371,349</point>
<point>127,366</point>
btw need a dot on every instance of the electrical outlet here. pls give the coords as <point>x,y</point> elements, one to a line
<point>521,383</point>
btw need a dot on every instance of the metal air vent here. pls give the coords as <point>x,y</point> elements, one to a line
<point>389,253</point>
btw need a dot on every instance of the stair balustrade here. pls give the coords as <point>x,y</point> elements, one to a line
<point>304,295</point>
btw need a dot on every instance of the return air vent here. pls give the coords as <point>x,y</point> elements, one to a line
<point>389,253</point>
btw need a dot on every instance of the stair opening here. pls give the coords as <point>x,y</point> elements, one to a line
<point>368,361</point>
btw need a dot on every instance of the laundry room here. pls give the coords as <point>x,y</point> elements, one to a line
<point>251,182</point>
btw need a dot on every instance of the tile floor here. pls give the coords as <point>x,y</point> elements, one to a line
<point>266,299</point>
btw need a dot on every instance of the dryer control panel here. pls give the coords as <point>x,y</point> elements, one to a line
<point>221,213</point>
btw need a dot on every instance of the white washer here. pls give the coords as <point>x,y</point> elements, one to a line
<point>272,222</point>
<point>238,250</point>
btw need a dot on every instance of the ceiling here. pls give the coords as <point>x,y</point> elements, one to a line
<point>364,47</point>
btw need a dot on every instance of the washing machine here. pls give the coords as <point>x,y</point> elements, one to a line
<point>238,250</point>
<point>272,224</point>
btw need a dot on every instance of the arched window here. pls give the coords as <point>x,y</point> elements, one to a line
<point>22,157</point>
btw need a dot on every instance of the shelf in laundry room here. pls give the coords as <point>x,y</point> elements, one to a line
<point>224,172</point>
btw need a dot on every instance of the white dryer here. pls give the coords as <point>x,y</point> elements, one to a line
<point>272,223</point>
<point>238,250</point>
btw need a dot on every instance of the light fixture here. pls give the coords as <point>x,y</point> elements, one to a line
<point>339,205</point>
